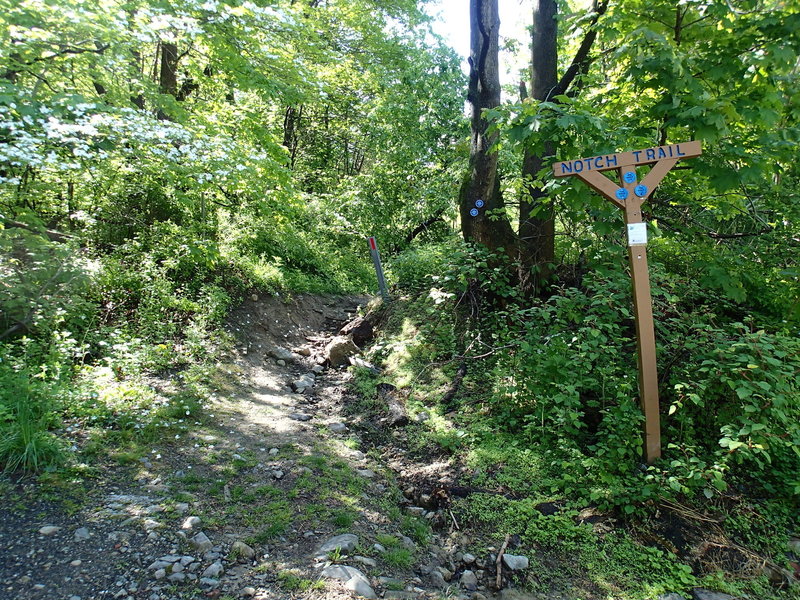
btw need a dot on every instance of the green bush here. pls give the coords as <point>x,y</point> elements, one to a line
<point>26,420</point>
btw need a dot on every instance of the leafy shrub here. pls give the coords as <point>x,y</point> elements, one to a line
<point>43,286</point>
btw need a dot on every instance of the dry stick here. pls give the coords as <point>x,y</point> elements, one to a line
<point>455,523</point>
<point>499,562</point>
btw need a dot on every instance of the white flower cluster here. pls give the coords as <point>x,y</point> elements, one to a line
<point>81,136</point>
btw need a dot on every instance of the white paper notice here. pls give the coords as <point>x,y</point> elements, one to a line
<point>637,234</point>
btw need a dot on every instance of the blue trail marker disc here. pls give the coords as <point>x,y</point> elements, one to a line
<point>479,203</point>
<point>629,177</point>
<point>621,194</point>
<point>474,212</point>
<point>640,190</point>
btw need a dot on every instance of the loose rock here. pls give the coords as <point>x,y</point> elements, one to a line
<point>704,594</point>
<point>280,353</point>
<point>49,529</point>
<point>201,542</point>
<point>300,417</point>
<point>213,571</point>
<point>514,562</point>
<point>190,523</point>
<point>345,543</point>
<point>242,550</point>
<point>339,350</point>
<point>469,581</point>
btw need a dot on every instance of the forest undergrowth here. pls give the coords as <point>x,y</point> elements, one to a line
<point>537,401</point>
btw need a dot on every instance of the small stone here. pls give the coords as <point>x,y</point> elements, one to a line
<point>304,351</point>
<point>437,579</point>
<point>74,598</point>
<point>273,451</point>
<point>514,562</point>
<point>177,577</point>
<point>254,297</point>
<point>201,542</point>
<point>670,596</point>
<point>317,369</point>
<point>300,417</point>
<point>76,563</point>
<point>512,594</point>
<point>49,529</point>
<point>191,523</point>
<point>704,594</point>
<point>415,511</point>
<point>151,525</point>
<point>182,507</point>
<point>360,587</point>
<point>280,353</point>
<point>342,573</point>
<point>209,583</point>
<point>378,548</point>
<point>337,427</point>
<point>213,571</point>
<point>345,543</point>
<point>280,362</point>
<point>247,592</point>
<point>81,534</point>
<point>468,558</point>
<point>469,581</point>
<point>278,474</point>
<point>369,562</point>
<point>366,473</point>
<point>794,545</point>
<point>242,550</point>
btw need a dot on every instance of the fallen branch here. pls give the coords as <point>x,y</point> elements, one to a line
<point>499,562</point>
<point>53,236</point>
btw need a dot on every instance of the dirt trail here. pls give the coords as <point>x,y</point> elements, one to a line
<point>239,506</point>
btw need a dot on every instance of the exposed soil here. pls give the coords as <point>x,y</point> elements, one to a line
<point>277,473</point>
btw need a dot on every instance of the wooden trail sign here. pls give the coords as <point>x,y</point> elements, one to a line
<point>629,194</point>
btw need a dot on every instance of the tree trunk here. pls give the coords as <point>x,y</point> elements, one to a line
<point>536,215</point>
<point>168,74</point>
<point>482,181</point>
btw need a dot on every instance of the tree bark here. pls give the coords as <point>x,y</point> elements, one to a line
<point>536,214</point>
<point>168,74</point>
<point>482,181</point>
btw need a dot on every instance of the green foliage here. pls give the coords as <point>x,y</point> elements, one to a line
<point>26,420</point>
<point>291,581</point>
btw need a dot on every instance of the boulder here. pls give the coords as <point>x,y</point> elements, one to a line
<point>360,330</point>
<point>339,351</point>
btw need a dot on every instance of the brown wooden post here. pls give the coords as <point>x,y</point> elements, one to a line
<point>629,194</point>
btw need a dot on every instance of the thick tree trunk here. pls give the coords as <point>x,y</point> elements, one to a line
<point>536,214</point>
<point>482,181</point>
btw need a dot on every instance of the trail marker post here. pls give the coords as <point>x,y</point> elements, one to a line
<point>376,260</point>
<point>629,195</point>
